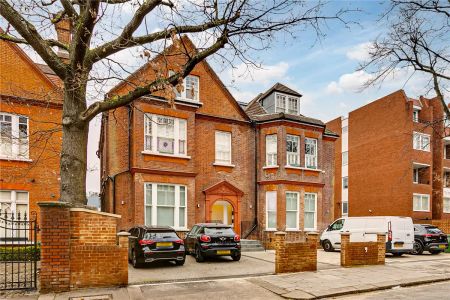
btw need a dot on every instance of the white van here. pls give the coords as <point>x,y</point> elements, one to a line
<point>399,232</point>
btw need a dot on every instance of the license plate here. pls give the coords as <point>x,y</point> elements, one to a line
<point>398,245</point>
<point>223,252</point>
<point>164,244</point>
<point>442,246</point>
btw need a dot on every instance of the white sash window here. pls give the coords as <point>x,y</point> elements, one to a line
<point>271,150</point>
<point>311,153</point>
<point>310,211</point>
<point>13,136</point>
<point>164,135</point>
<point>223,147</point>
<point>293,150</point>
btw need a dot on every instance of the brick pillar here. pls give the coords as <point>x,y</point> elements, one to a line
<point>312,238</point>
<point>122,239</point>
<point>55,247</point>
<point>381,246</point>
<point>280,255</point>
<point>345,240</point>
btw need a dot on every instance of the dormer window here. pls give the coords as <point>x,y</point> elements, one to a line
<point>286,104</point>
<point>191,88</point>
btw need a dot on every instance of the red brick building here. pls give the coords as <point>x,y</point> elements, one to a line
<point>30,131</point>
<point>391,159</point>
<point>205,159</point>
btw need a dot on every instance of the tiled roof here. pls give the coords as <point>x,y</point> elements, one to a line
<point>45,69</point>
<point>329,132</point>
<point>283,116</point>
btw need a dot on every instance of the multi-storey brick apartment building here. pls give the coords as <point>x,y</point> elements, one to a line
<point>206,159</point>
<point>30,135</point>
<point>391,159</point>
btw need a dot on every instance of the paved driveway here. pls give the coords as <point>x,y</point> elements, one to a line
<point>222,267</point>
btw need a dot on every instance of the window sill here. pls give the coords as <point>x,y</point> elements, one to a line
<point>166,155</point>
<point>15,159</point>
<point>181,229</point>
<point>310,229</point>
<point>303,168</point>
<point>217,164</point>
<point>293,230</point>
<point>421,210</point>
<point>422,150</point>
<point>189,100</point>
<point>271,230</point>
<point>270,167</point>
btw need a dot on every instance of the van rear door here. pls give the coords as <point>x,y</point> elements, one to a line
<point>402,232</point>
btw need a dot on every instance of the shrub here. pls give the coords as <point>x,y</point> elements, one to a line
<point>20,253</point>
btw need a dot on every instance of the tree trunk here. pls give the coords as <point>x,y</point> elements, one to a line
<point>74,146</point>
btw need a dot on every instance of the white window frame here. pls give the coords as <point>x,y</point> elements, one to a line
<point>342,208</point>
<point>226,134</point>
<point>345,158</point>
<point>427,209</point>
<point>13,207</point>
<point>309,157</point>
<point>267,211</point>
<point>283,103</point>
<point>315,211</point>
<point>183,95</point>
<point>292,156</point>
<point>15,138</point>
<point>297,211</point>
<point>343,180</point>
<point>419,143</point>
<point>151,132</point>
<point>416,115</point>
<point>415,175</point>
<point>272,157</point>
<point>154,204</point>
<point>446,206</point>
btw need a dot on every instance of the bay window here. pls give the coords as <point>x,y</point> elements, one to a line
<point>271,210</point>
<point>292,208</point>
<point>164,135</point>
<point>13,136</point>
<point>271,150</point>
<point>311,153</point>
<point>293,150</point>
<point>165,205</point>
<point>310,211</point>
<point>421,202</point>
<point>223,147</point>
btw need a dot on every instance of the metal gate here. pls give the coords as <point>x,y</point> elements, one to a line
<point>18,250</point>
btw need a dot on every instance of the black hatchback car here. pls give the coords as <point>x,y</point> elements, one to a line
<point>212,239</point>
<point>149,244</point>
<point>429,238</point>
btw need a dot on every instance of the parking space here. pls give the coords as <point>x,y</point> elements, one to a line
<point>251,264</point>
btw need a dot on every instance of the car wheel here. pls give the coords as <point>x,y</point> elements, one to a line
<point>236,257</point>
<point>435,251</point>
<point>198,255</point>
<point>326,245</point>
<point>417,248</point>
<point>180,262</point>
<point>134,261</point>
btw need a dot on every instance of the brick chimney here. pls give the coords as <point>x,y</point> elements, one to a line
<point>64,35</point>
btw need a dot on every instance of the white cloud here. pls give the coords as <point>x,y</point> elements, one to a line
<point>351,82</point>
<point>359,52</point>
<point>263,75</point>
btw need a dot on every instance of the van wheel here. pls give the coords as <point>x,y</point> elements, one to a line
<point>417,248</point>
<point>326,245</point>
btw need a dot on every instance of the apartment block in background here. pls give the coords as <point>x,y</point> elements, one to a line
<point>391,159</point>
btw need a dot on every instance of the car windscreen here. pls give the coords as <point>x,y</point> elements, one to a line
<point>153,235</point>
<point>433,230</point>
<point>219,231</point>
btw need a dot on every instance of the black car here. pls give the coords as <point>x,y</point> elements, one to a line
<point>429,238</point>
<point>212,239</point>
<point>149,244</point>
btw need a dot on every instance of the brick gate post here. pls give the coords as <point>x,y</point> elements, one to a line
<point>55,247</point>
<point>381,246</point>
<point>280,252</point>
<point>345,240</point>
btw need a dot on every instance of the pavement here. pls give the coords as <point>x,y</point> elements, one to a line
<point>328,282</point>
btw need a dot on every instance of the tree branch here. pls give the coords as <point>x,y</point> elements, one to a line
<point>50,42</point>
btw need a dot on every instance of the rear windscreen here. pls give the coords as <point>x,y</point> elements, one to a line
<point>159,235</point>
<point>219,231</point>
<point>433,230</point>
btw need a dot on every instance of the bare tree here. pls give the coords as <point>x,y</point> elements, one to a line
<point>99,33</point>
<point>418,38</point>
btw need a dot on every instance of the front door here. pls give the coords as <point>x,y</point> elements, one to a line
<point>222,212</point>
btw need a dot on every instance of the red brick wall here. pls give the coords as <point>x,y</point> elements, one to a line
<point>336,126</point>
<point>80,249</point>
<point>362,253</point>
<point>295,256</point>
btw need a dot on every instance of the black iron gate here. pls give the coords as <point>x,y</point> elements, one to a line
<point>19,252</point>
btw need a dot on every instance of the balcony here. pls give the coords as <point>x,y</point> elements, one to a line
<point>421,173</point>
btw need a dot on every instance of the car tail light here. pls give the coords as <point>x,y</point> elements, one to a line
<point>146,242</point>
<point>429,235</point>
<point>205,238</point>
<point>181,242</point>
<point>237,238</point>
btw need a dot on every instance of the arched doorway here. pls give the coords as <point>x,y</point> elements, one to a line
<point>222,212</point>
